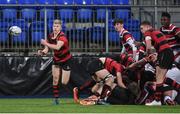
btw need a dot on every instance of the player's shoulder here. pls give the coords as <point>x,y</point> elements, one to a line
<point>172,26</point>
<point>124,32</point>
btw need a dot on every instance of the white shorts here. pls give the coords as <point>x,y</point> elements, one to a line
<point>174,74</point>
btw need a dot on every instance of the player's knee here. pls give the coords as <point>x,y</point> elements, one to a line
<point>64,82</point>
<point>55,80</point>
<point>109,80</point>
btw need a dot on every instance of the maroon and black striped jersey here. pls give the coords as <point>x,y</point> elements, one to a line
<point>142,50</point>
<point>125,36</point>
<point>112,66</point>
<point>63,54</point>
<point>158,39</point>
<point>142,47</point>
<point>171,35</point>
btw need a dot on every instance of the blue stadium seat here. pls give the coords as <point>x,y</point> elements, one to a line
<point>28,14</point>
<point>9,14</point>
<point>136,35</point>
<point>3,36</point>
<point>84,14</point>
<point>50,25</point>
<point>37,26</point>
<point>113,37</point>
<point>66,14</point>
<point>20,39</point>
<point>26,1</point>
<point>37,36</point>
<point>125,2</point>
<point>7,1</point>
<point>110,23</point>
<point>98,33</point>
<point>101,2</point>
<point>37,31</point>
<point>80,34</point>
<point>4,31</point>
<point>46,1</point>
<point>82,2</point>
<point>133,25</point>
<point>122,14</point>
<point>4,26</point>
<point>65,2</point>
<point>50,14</point>
<point>101,14</point>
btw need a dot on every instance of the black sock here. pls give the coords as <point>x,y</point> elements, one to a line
<point>159,91</point>
<point>158,96</point>
<point>106,91</point>
<point>172,83</point>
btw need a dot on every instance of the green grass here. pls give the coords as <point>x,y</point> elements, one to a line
<point>45,105</point>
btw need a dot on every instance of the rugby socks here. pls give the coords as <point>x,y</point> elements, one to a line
<point>106,91</point>
<point>159,91</point>
<point>56,91</point>
<point>172,83</point>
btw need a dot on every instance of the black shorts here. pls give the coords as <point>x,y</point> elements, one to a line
<point>94,66</point>
<point>67,65</point>
<point>165,59</point>
<point>121,96</point>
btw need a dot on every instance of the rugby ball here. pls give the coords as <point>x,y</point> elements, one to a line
<point>15,30</point>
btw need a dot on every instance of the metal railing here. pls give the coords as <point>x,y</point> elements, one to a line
<point>89,28</point>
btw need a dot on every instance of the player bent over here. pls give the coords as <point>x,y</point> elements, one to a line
<point>107,70</point>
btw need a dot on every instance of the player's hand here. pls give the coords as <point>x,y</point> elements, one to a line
<point>152,57</point>
<point>43,42</point>
<point>40,53</point>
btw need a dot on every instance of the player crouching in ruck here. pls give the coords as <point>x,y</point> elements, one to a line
<point>105,72</point>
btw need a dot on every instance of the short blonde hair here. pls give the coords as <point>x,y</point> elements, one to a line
<point>57,21</point>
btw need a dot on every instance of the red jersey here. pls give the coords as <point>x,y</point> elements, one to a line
<point>171,35</point>
<point>126,60</point>
<point>63,54</point>
<point>112,66</point>
<point>125,36</point>
<point>158,40</point>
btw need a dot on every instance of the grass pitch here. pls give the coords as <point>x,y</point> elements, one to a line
<point>44,105</point>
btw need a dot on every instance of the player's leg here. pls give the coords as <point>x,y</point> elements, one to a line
<point>108,80</point>
<point>66,71</point>
<point>56,71</point>
<point>96,67</point>
<point>65,76</point>
<point>165,61</point>
<point>173,78</point>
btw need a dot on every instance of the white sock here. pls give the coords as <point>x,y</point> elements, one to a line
<point>167,97</point>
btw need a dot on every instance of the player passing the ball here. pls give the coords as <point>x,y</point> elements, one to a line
<point>61,68</point>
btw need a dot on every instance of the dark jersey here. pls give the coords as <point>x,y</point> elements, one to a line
<point>171,35</point>
<point>158,40</point>
<point>63,54</point>
<point>142,50</point>
<point>125,36</point>
<point>112,66</point>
